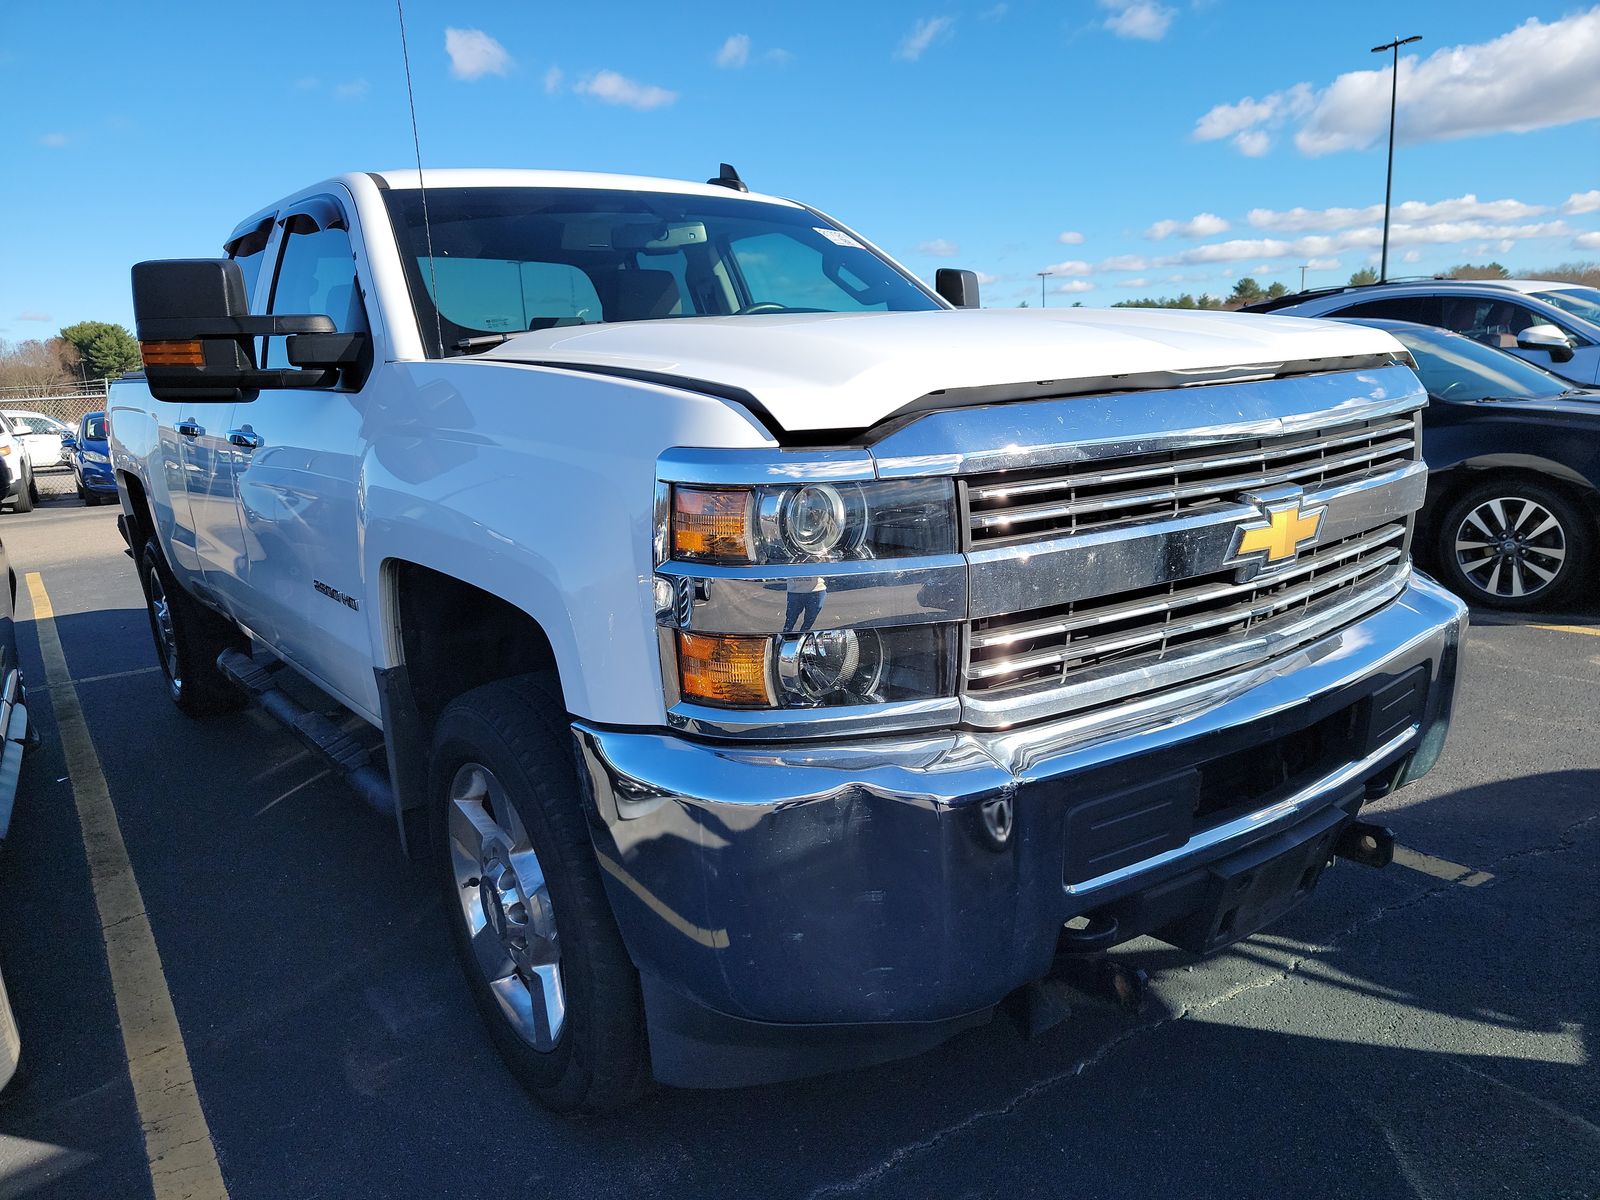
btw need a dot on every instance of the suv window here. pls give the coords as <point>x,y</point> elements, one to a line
<point>248,250</point>
<point>1488,319</point>
<point>1424,310</point>
<point>94,428</point>
<point>316,276</point>
<point>33,424</point>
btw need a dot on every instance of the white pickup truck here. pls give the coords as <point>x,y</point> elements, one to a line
<point>784,663</point>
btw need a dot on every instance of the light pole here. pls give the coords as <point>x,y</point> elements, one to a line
<point>1043,275</point>
<point>1388,182</point>
<point>1303,268</point>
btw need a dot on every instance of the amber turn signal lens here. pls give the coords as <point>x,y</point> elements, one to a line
<point>172,354</point>
<point>713,524</point>
<point>726,669</point>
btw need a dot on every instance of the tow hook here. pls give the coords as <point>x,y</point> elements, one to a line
<point>1081,962</point>
<point>1368,844</point>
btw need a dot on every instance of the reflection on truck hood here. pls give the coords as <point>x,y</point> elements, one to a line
<point>824,371</point>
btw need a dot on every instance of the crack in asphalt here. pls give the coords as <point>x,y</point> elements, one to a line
<point>1565,841</point>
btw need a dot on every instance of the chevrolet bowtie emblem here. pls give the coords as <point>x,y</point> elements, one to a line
<point>1279,534</point>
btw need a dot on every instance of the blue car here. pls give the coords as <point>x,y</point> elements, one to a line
<point>91,460</point>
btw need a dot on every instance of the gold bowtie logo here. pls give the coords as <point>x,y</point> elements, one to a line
<point>1286,531</point>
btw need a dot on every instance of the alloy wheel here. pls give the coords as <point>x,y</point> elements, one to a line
<point>1511,547</point>
<point>505,902</point>
<point>161,614</point>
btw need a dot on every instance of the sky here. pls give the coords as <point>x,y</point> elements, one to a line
<point>1131,147</point>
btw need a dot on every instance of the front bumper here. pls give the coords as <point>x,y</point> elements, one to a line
<point>97,477</point>
<point>915,881</point>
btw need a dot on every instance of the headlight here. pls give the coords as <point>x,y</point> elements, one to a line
<point>823,668</point>
<point>95,456</point>
<point>813,522</point>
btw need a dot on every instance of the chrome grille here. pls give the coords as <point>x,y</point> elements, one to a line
<point>1159,624</point>
<point>1097,494</point>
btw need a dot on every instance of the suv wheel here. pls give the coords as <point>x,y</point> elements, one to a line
<point>1515,544</point>
<point>27,492</point>
<point>527,910</point>
<point>188,638</point>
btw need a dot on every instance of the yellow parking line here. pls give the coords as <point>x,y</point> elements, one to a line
<point>1585,629</point>
<point>177,1140</point>
<point>1440,868</point>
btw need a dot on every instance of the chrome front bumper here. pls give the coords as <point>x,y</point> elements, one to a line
<point>922,878</point>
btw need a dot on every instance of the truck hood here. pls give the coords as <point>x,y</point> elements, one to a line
<point>827,371</point>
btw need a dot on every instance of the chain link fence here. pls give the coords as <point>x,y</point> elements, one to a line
<point>64,402</point>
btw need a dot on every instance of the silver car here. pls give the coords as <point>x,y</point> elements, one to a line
<point>1562,335</point>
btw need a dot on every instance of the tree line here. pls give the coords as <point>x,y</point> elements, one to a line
<point>77,353</point>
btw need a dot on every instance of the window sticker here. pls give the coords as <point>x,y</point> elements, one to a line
<point>839,238</point>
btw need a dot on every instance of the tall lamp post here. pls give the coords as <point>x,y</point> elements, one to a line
<point>1043,275</point>
<point>1388,182</point>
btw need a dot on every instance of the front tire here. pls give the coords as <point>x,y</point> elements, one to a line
<point>527,910</point>
<point>188,637</point>
<point>1513,543</point>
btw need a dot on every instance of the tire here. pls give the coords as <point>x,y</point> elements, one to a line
<point>1513,543</point>
<point>502,781</point>
<point>188,637</point>
<point>27,493</point>
<point>83,492</point>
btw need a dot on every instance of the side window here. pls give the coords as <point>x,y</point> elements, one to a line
<point>317,276</point>
<point>1424,310</point>
<point>249,249</point>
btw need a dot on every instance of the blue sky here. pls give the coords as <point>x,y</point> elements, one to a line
<point>1005,137</point>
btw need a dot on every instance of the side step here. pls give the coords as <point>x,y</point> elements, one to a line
<point>320,735</point>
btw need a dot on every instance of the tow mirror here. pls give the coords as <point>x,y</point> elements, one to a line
<point>1546,337</point>
<point>196,334</point>
<point>958,287</point>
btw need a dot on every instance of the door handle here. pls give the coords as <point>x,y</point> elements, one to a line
<point>189,428</point>
<point>245,439</point>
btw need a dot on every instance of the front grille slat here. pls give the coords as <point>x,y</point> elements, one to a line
<point>1022,653</point>
<point>1068,500</point>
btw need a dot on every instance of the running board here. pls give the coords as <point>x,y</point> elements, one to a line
<point>320,735</point>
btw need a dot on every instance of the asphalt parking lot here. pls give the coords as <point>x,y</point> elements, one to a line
<point>1424,1031</point>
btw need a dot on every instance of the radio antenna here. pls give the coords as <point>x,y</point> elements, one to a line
<point>416,142</point>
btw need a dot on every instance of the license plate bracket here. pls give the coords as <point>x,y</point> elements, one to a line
<point>1249,890</point>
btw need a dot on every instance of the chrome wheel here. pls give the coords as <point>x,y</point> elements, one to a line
<point>166,639</point>
<point>1511,547</point>
<point>505,902</point>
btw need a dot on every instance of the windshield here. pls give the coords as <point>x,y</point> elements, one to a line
<point>1458,368</point>
<point>506,260</point>
<point>1580,301</point>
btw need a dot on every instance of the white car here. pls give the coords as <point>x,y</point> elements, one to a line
<point>20,487</point>
<point>40,434</point>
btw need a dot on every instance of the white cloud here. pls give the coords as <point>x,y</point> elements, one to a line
<point>923,34</point>
<point>31,315</point>
<point>1252,143</point>
<point>1074,285</point>
<point>939,248</point>
<point>1122,262</point>
<point>994,12</point>
<point>985,279</point>
<point>1137,282</point>
<point>611,88</point>
<point>1333,264</point>
<point>1411,256</point>
<point>1537,76</point>
<point>1200,225</point>
<point>1070,237</point>
<point>735,51</point>
<point>1401,233</point>
<point>1145,20</point>
<point>552,80</point>
<point>1461,208</point>
<point>1071,267</point>
<point>352,89</point>
<point>474,54</point>
<point>1584,241</point>
<point>1582,202</point>
<point>54,140</point>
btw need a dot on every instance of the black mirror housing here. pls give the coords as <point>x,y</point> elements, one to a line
<point>196,333</point>
<point>958,287</point>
